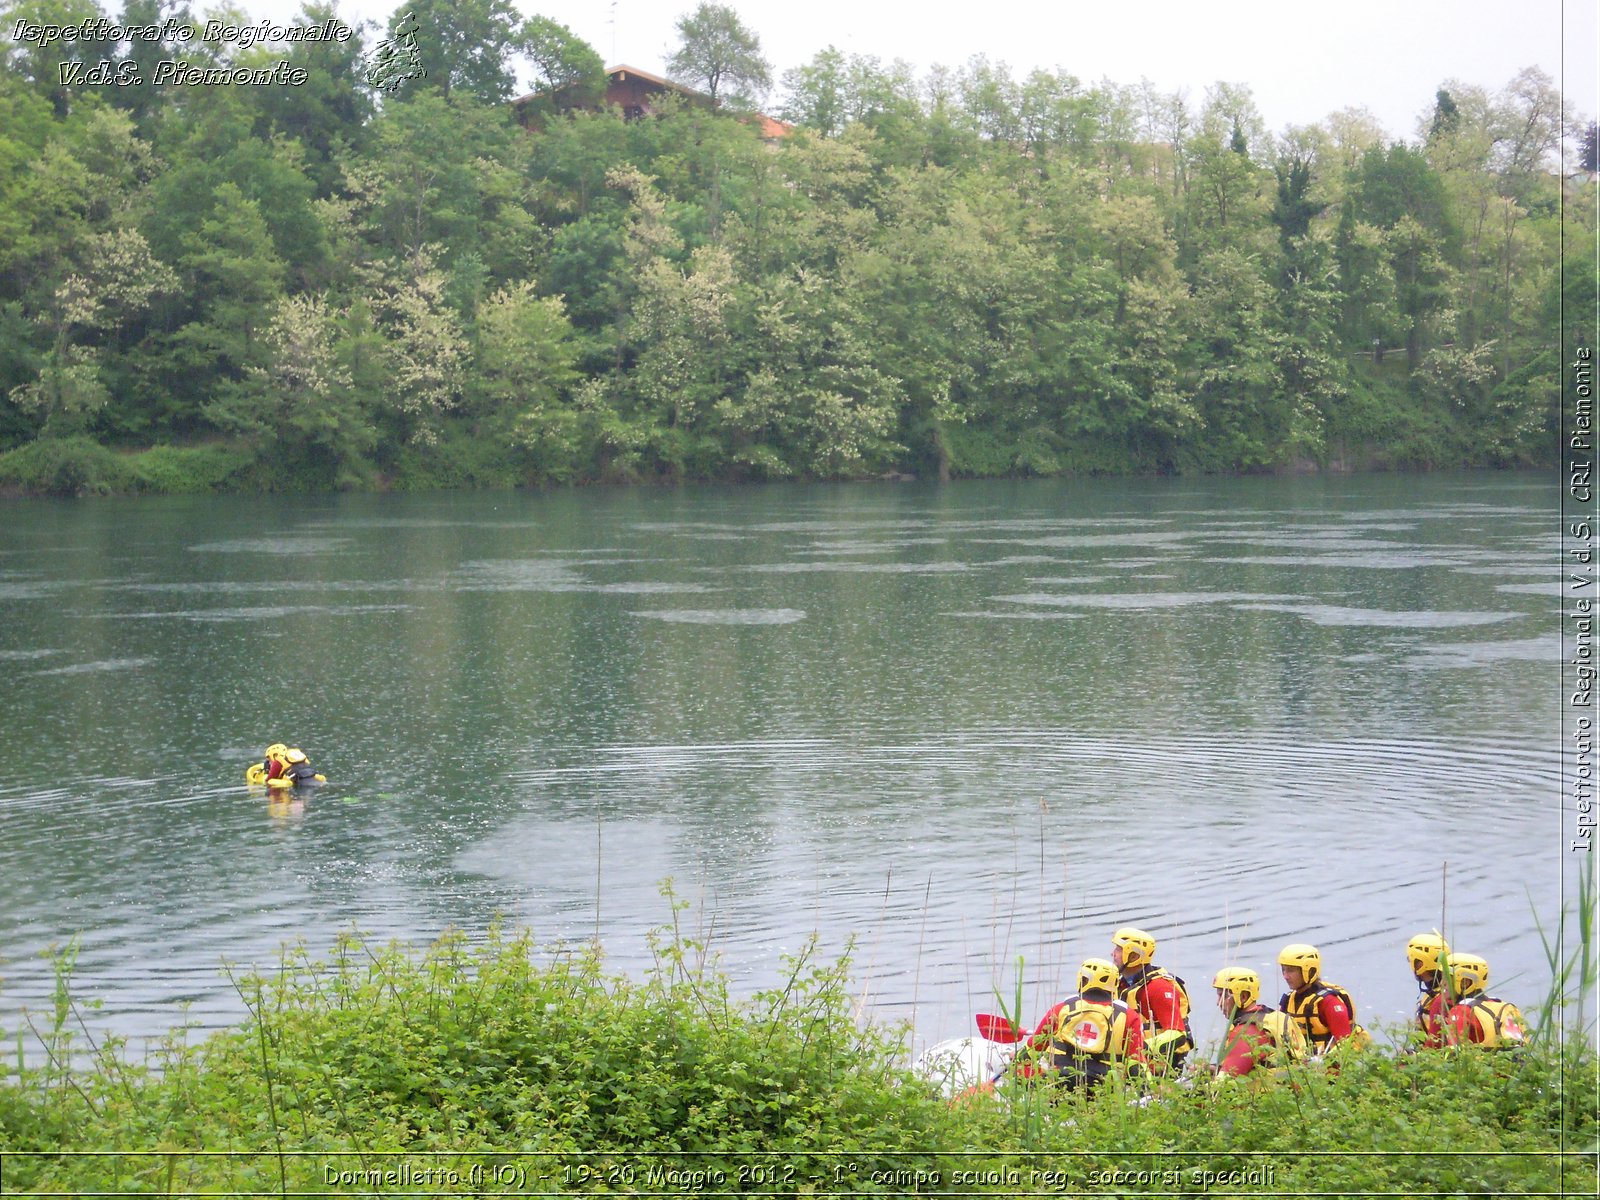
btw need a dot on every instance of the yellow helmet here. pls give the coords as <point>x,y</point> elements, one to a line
<point>1097,973</point>
<point>1425,950</point>
<point>1307,958</point>
<point>1243,984</point>
<point>294,756</point>
<point>1469,974</point>
<point>1138,947</point>
<point>276,750</point>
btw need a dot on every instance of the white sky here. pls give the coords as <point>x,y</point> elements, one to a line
<point>1300,61</point>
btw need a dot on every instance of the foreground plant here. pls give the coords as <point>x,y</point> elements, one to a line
<point>497,1065</point>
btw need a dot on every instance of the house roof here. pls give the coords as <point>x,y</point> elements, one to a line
<point>770,128</point>
<point>622,71</point>
<point>619,74</point>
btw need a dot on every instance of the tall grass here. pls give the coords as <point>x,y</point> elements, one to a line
<point>501,1050</point>
<point>1572,966</point>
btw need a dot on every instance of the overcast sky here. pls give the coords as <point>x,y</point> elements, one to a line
<point>1300,62</point>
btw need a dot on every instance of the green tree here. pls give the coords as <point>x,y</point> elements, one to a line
<point>585,261</point>
<point>679,333</point>
<point>61,182</point>
<point>991,99</point>
<point>466,47</point>
<point>45,67</point>
<point>1239,392</point>
<point>567,164</point>
<point>429,354</point>
<point>1446,116</point>
<point>1157,413</point>
<point>300,404</point>
<point>1369,310</point>
<point>1400,192</point>
<point>446,173</point>
<point>526,371</point>
<point>1055,112</point>
<point>1308,352</point>
<point>525,358</point>
<point>46,213</point>
<point>1531,118</point>
<point>1294,207</point>
<point>140,97</point>
<point>816,401</point>
<point>328,113</point>
<point>563,63</point>
<point>816,93</point>
<point>118,278</point>
<point>233,279</point>
<point>718,53</point>
<point>1421,275</point>
<point>212,142</point>
<point>1224,183</point>
<point>1351,133</point>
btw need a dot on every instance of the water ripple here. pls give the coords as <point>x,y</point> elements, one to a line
<point>726,616</point>
<point>1328,614</point>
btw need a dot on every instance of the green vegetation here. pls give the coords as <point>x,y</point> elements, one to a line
<point>378,1057</point>
<point>966,274</point>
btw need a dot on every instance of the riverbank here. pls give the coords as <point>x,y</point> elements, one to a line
<point>501,1067</point>
<point>80,466</point>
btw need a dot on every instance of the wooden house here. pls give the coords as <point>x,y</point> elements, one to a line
<point>639,94</point>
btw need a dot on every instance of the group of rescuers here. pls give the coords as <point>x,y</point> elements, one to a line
<point>1129,1012</point>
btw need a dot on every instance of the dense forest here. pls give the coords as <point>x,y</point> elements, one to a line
<point>963,273</point>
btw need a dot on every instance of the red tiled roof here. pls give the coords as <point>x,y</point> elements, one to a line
<point>771,128</point>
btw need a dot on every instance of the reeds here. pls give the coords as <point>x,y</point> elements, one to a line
<point>1565,1013</point>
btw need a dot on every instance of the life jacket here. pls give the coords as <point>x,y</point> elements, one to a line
<point>301,771</point>
<point>1500,1021</point>
<point>1089,1037</point>
<point>1288,1042</point>
<point>1305,1008</point>
<point>1167,1046</point>
<point>1429,1017</point>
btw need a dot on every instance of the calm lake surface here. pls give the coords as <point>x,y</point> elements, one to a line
<point>962,725</point>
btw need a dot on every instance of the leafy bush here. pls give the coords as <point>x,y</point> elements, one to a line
<point>978,452</point>
<point>74,466</point>
<point>174,470</point>
<point>456,460</point>
<point>534,1057</point>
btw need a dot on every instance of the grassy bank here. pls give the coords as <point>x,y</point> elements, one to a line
<point>81,467</point>
<point>1406,439</point>
<point>498,1067</point>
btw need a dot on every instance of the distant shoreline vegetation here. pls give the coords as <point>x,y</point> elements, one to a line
<point>962,275</point>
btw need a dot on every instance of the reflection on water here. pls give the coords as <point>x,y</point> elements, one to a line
<point>954,729</point>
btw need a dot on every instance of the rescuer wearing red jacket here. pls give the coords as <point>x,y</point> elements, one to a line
<point>1428,953</point>
<point>1478,1019</point>
<point>1257,1035</point>
<point>1324,1011</point>
<point>1160,997</point>
<point>1084,1036</point>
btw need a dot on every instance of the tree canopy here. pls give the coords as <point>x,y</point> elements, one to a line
<point>720,55</point>
<point>958,273</point>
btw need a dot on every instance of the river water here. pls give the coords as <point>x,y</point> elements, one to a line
<point>968,729</point>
